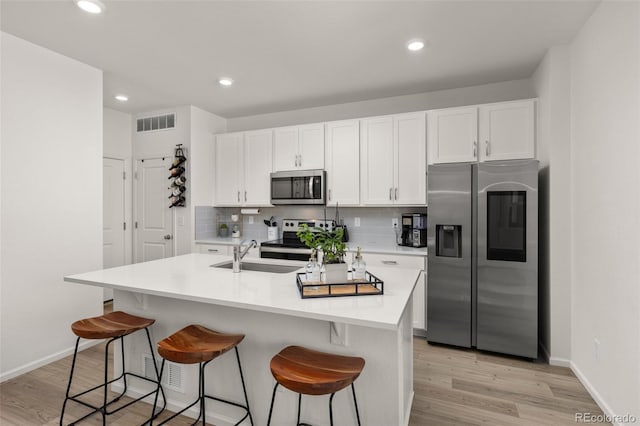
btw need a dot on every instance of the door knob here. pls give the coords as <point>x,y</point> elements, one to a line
<point>167,237</point>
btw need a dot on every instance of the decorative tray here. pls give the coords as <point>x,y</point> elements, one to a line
<point>370,286</point>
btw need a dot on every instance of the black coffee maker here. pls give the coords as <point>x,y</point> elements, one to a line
<point>414,230</point>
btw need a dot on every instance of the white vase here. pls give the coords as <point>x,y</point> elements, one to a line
<point>335,272</point>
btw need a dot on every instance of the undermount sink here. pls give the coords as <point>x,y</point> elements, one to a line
<point>259,267</point>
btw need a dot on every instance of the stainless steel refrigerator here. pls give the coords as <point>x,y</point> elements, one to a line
<point>482,241</point>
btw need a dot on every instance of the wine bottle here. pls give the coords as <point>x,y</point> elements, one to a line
<point>177,202</point>
<point>176,172</point>
<point>179,181</point>
<point>177,162</point>
<point>178,191</point>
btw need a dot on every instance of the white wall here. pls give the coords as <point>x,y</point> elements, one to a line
<point>605,182</point>
<point>117,144</point>
<point>194,130</point>
<point>51,201</point>
<point>551,81</point>
<point>495,92</point>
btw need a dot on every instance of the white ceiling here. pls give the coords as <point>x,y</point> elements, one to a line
<point>296,54</point>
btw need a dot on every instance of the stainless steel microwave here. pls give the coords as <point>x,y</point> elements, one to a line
<point>298,187</point>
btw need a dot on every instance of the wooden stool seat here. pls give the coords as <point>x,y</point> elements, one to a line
<point>310,372</point>
<point>114,324</point>
<point>195,344</point>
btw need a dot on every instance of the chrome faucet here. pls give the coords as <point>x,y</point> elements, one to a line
<point>238,253</point>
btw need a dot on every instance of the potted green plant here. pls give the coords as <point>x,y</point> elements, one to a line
<point>224,230</point>
<point>332,247</point>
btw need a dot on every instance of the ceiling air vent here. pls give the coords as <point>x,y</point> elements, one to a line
<point>158,122</point>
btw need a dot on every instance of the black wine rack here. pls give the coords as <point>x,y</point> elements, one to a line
<point>177,187</point>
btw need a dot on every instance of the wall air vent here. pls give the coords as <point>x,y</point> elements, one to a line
<point>158,122</point>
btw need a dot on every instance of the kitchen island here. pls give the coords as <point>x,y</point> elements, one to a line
<point>267,308</point>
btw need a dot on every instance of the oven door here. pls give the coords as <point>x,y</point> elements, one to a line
<point>298,187</point>
<point>286,253</point>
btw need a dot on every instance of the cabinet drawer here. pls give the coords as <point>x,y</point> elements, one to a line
<point>377,259</point>
<point>213,249</point>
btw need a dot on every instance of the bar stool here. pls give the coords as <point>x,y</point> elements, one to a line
<point>112,326</point>
<point>310,372</point>
<point>196,344</point>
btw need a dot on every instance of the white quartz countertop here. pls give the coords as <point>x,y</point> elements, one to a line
<point>382,247</point>
<point>190,277</point>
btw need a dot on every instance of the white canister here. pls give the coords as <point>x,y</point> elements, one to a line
<point>272,233</point>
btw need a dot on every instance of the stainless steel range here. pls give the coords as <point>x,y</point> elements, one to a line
<point>290,247</point>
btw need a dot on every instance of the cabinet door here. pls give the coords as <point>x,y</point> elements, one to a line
<point>258,149</point>
<point>507,131</point>
<point>213,249</point>
<point>228,169</point>
<point>285,148</point>
<point>311,147</point>
<point>411,159</point>
<point>453,135</point>
<point>343,163</point>
<point>377,161</point>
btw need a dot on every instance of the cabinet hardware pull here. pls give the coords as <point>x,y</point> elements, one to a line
<point>213,250</point>
<point>475,149</point>
<point>487,151</point>
<point>329,195</point>
<point>296,161</point>
<point>300,161</point>
<point>390,194</point>
<point>396,194</point>
<point>238,196</point>
<point>245,196</point>
<point>390,262</point>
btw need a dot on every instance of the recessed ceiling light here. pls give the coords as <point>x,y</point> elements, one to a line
<point>122,98</point>
<point>91,6</point>
<point>225,81</point>
<point>415,45</point>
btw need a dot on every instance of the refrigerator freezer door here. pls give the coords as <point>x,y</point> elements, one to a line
<point>507,257</point>
<point>449,260</point>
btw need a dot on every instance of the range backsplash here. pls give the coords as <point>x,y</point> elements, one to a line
<point>375,222</point>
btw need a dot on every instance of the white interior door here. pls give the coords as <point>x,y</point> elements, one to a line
<point>154,224</point>
<point>113,216</point>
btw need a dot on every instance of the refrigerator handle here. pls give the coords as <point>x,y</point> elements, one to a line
<point>487,151</point>
<point>475,149</point>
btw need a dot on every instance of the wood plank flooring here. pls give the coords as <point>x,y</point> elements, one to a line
<point>452,387</point>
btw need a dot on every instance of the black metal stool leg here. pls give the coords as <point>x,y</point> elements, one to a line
<point>155,400</point>
<point>355,402</point>
<point>159,378</point>
<point>273,399</point>
<point>299,403</point>
<point>331,409</point>
<point>202,393</point>
<point>73,365</point>
<point>244,389</point>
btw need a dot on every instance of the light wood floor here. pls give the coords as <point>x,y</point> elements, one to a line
<point>452,387</point>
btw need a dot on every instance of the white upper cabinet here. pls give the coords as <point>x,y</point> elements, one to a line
<point>393,157</point>
<point>298,147</point>
<point>228,169</point>
<point>507,131</point>
<point>311,146</point>
<point>500,131</point>
<point>258,162</point>
<point>411,159</point>
<point>376,158</point>
<point>243,166</point>
<point>343,163</point>
<point>453,135</point>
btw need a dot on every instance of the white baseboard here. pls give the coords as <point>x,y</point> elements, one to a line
<point>559,362</point>
<point>593,392</point>
<point>46,360</point>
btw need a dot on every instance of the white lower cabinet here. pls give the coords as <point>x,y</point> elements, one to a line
<point>213,249</point>
<point>419,294</point>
